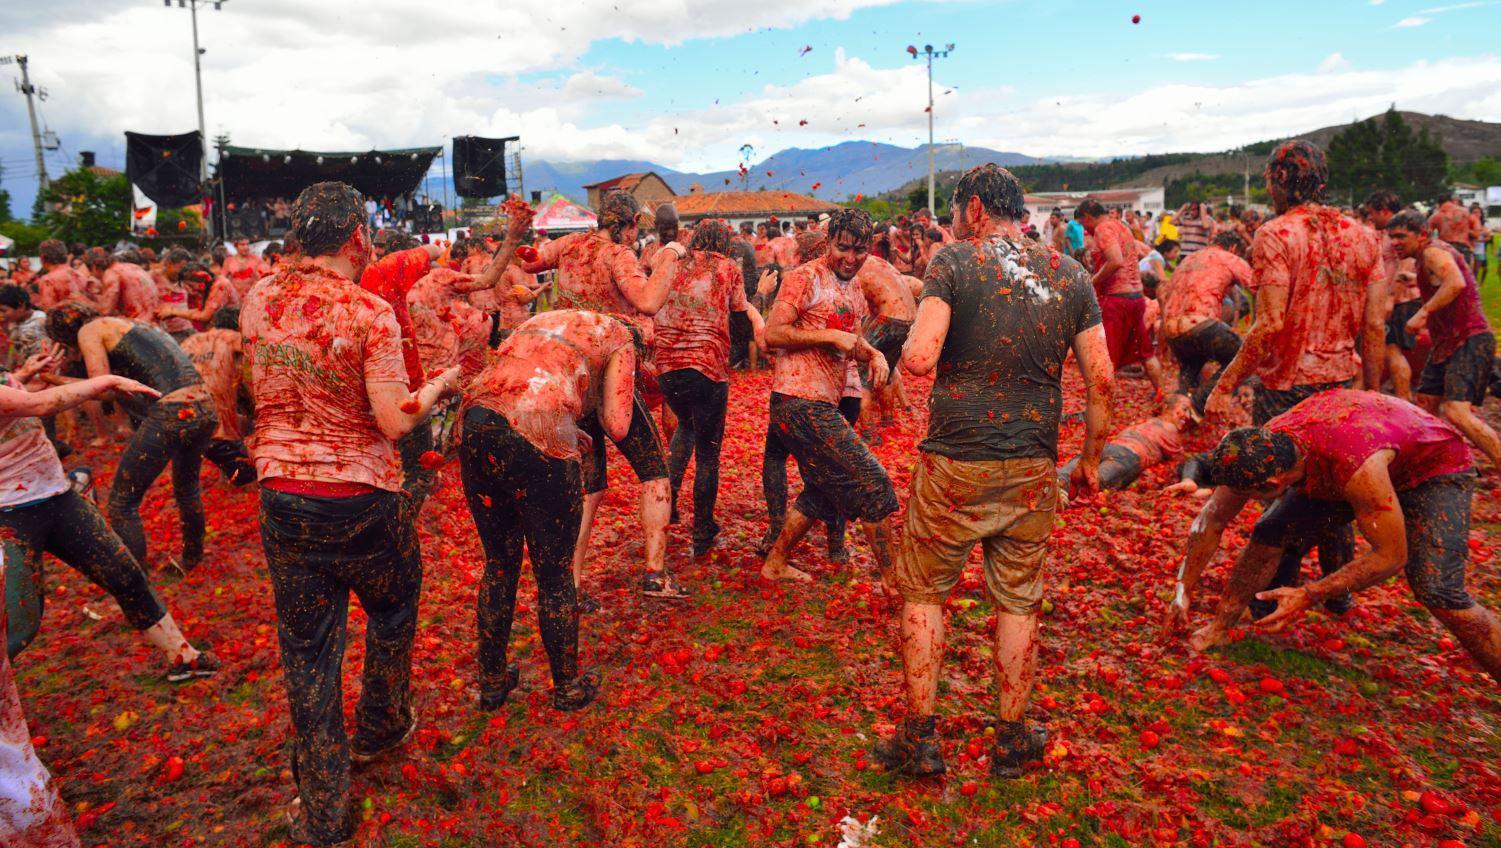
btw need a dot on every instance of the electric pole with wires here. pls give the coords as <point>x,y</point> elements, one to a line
<point>25,87</point>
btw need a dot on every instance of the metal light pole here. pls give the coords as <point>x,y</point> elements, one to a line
<point>26,88</point>
<point>192,6</point>
<point>930,53</point>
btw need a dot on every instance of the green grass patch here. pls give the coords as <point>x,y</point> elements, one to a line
<point>1290,661</point>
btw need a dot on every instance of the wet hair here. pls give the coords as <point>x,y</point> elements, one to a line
<point>1149,281</point>
<point>131,255</point>
<point>65,320</point>
<point>617,212</point>
<point>1167,245</point>
<point>1089,207</point>
<point>219,253</point>
<point>459,251</point>
<point>225,318</point>
<point>1250,456</point>
<point>77,249</point>
<point>271,251</point>
<point>853,222</point>
<point>290,244</point>
<point>1300,169</point>
<point>811,245</point>
<point>747,228</point>
<point>325,216</point>
<point>15,297</point>
<point>1410,220</point>
<point>53,252</point>
<point>713,236</point>
<point>1383,200</point>
<point>177,256</point>
<point>97,257</point>
<point>1229,240</point>
<point>664,213</point>
<point>934,234</point>
<point>999,190</point>
<point>397,242</point>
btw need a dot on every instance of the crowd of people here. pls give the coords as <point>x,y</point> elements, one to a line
<point>337,368</point>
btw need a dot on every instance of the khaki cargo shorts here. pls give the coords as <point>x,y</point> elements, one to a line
<point>1005,505</point>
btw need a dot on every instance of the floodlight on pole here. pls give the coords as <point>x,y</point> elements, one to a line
<point>930,54</point>
<point>192,5</point>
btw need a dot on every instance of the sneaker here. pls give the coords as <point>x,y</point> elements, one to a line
<point>913,750</point>
<point>300,832</point>
<point>361,754</point>
<point>579,692</point>
<point>1011,753</point>
<point>496,698</point>
<point>204,665</point>
<point>661,584</point>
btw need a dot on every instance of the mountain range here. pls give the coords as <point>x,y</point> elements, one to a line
<point>843,171</point>
<point>838,172</point>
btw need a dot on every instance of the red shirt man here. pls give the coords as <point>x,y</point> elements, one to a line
<point>1125,278</point>
<point>693,325</point>
<point>1198,288</point>
<point>390,279</point>
<point>127,290</point>
<point>448,329</point>
<point>1454,225</point>
<point>216,356</point>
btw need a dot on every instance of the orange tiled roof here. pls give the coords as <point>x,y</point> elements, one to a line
<point>624,182</point>
<point>101,171</point>
<point>747,203</point>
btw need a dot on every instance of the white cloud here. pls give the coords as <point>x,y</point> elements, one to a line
<point>1377,2</point>
<point>1409,22</point>
<point>588,85</point>
<point>1439,10</point>
<point>1334,62</point>
<point>1193,57</point>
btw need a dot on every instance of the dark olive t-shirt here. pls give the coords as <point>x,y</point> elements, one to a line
<point>1016,309</point>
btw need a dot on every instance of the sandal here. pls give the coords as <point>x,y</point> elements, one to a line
<point>660,584</point>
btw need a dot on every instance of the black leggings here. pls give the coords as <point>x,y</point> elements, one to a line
<point>175,433</point>
<point>70,528</point>
<point>699,403</point>
<point>518,494</point>
<point>232,460</point>
<point>318,550</point>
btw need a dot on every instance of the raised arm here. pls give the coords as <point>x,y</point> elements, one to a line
<point>645,293</point>
<point>518,222</point>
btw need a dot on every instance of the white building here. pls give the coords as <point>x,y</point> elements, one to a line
<point>1139,200</point>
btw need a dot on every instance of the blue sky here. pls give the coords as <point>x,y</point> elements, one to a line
<point>687,84</point>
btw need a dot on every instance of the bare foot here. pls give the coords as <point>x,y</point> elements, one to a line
<point>786,572</point>
<point>1207,637</point>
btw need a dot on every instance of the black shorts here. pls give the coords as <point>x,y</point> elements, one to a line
<point>642,448</point>
<point>1436,515</point>
<point>1465,376</point>
<point>1396,324</point>
<point>841,477</point>
<point>1271,403</point>
<point>888,335</point>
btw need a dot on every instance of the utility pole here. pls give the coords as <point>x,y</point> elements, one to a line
<point>192,6</point>
<point>26,88</point>
<point>520,178</point>
<point>930,53</point>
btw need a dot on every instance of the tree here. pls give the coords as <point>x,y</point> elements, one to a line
<point>1385,153</point>
<point>82,206</point>
<point>4,199</point>
<point>1484,171</point>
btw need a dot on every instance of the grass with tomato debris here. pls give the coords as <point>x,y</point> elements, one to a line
<point>743,717</point>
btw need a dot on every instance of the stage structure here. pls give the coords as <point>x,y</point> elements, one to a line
<point>479,165</point>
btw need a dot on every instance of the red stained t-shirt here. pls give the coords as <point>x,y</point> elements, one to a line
<point>1154,440</point>
<point>1127,278</point>
<point>128,291</point>
<point>1462,318</point>
<point>390,278</point>
<point>820,301</point>
<point>1339,430</point>
<point>314,339</point>
<point>693,325</point>
<point>548,374</point>
<point>590,271</point>
<point>1326,262</point>
<point>783,251</point>
<point>449,329</point>
<point>1453,223</point>
<point>1198,288</point>
<point>29,468</point>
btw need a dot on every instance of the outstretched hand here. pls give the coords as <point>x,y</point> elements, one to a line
<point>1292,602</point>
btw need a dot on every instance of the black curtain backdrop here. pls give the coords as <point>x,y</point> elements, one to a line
<point>252,173</point>
<point>165,167</point>
<point>479,165</point>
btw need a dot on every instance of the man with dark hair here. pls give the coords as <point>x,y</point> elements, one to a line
<point>1402,474</point>
<point>244,268</point>
<point>1458,374</point>
<point>1319,314</point>
<point>995,303</point>
<point>60,282</point>
<point>1402,296</point>
<point>815,323</point>
<point>1191,313</point>
<point>331,398</point>
<point>125,288</point>
<point>598,272</point>
<point>216,291</point>
<point>665,223</point>
<point>25,327</point>
<point>1117,284</point>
